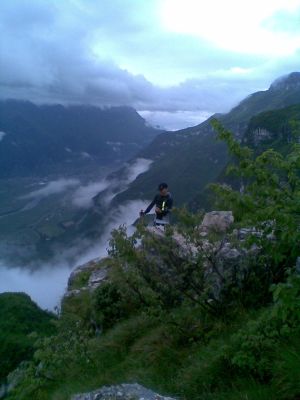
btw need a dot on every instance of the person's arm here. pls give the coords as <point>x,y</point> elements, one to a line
<point>151,205</point>
<point>168,206</point>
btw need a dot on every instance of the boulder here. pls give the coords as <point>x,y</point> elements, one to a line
<point>217,221</point>
<point>121,392</point>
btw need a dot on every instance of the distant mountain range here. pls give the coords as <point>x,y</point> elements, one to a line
<point>191,158</point>
<point>37,140</point>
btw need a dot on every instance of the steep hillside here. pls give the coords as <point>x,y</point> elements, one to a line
<point>36,140</point>
<point>190,159</point>
<point>19,317</point>
<point>272,128</point>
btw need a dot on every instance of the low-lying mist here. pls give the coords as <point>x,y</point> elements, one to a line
<point>46,282</point>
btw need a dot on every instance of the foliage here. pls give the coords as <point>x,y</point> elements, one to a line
<point>159,274</point>
<point>253,346</point>
<point>20,317</point>
<point>268,200</point>
<point>109,305</point>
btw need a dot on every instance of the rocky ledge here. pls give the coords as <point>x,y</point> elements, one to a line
<point>121,392</point>
<point>88,276</point>
<point>229,255</point>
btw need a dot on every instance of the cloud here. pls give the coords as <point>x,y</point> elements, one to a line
<point>83,196</point>
<point>236,26</point>
<point>53,187</point>
<point>2,134</point>
<point>46,282</point>
<point>139,166</point>
<point>124,52</point>
<point>45,286</point>
<point>174,120</point>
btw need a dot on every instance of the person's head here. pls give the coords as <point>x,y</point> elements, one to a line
<point>163,188</point>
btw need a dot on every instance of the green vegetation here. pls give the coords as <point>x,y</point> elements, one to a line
<point>278,123</point>
<point>20,318</point>
<point>161,322</point>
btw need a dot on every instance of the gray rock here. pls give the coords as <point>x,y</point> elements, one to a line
<point>121,392</point>
<point>97,274</point>
<point>78,270</point>
<point>97,277</point>
<point>74,292</point>
<point>217,221</point>
<point>298,265</point>
<point>244,233</point>
<point>13,379</point>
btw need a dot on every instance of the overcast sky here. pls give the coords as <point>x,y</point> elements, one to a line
<point>175,61</point>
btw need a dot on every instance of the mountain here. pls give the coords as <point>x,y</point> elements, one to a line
<point>269,129</point>
<point>37,140</point>
<point>189,159</point>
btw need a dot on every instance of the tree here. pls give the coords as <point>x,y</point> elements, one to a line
<point>269,198</point>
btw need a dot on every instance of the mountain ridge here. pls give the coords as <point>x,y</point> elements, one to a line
<point>38,139</point>
<point>187,150</point>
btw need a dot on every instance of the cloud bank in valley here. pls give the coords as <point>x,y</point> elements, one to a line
<point>46,282</point>
<point>83,196</point>
<point>2,134</point>
<point>53,187</point>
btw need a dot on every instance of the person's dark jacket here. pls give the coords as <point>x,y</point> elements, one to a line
<point>165,203</point>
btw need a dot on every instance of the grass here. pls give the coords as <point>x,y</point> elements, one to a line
<point>146,350</point>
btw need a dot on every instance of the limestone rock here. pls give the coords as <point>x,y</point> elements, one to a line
<point>81,268</point>
<point>97,277</point>
<point>298,265</point>
<point>121,392</point>
<point>87,277</point>
<point>217,221</point>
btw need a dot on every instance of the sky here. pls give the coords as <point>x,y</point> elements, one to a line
<point>175,61</point>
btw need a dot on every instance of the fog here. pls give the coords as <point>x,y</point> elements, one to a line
<point>53,187</point>
<point>2,134</point>
<point>172,121</point>
<point>46,282</point>
<point>83,196</point>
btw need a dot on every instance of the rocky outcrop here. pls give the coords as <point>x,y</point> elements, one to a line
<point>261,134</point>
<point>88,276</point>
<point>222,250</point>
<point>224,255</point>
<point>121,392</point>
<point>217,221</point>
